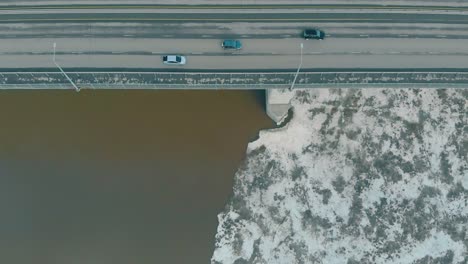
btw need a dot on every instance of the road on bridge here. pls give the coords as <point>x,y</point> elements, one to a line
<point>136,36</point>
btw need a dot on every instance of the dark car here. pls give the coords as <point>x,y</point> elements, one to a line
<point>313,34</point>
<point>231,44</point>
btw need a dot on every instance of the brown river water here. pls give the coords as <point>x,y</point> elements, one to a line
<point>112,177</point>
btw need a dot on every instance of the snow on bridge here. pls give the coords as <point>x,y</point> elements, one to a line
<point>233,80</point>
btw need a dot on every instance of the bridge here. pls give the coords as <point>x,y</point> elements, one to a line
<point>104,44</point>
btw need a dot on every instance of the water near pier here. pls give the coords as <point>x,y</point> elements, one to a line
<point>119,176</point>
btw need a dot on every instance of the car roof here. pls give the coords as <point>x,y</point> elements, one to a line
<point>173,58</point>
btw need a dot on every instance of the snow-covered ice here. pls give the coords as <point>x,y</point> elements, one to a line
<point>356,176</point>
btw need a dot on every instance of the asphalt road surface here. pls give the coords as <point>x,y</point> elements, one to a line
<point>398,37</point>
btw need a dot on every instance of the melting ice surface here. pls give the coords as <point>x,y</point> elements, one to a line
<point>356,176</point>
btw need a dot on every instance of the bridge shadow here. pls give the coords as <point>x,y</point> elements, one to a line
<point>260,98</point>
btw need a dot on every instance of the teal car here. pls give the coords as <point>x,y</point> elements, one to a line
<point>313,33</point>
<point>232,44</point>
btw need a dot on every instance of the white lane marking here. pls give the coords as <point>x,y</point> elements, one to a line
<point>197,53</point>
<point>394,52</point>
<point>356,52</point>
<point>403,35</point>
<point>441,36</point>
<point>206,36</point>
<point>77,52</point>
<point>128,35</point>
<point>117,52</point>
<point>315,52</point>
<point>286,35</point>
<point>87,35</point>
<point>168,35</point>
<point>364,35</point>
<point>245,36</point>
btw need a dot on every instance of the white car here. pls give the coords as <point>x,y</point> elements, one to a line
<point>174,59</point>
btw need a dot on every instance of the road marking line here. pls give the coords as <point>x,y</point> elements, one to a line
<point>441,36</point>
<point>403,35</point>
<point>233,7</point>
<point>208,19</point>
<point>364,35</point>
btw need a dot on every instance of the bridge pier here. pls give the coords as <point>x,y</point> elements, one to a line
<point>278,103</point>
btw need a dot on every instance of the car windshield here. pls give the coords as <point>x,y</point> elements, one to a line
<point>178,59</point>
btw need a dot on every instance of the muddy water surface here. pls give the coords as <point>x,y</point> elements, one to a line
<point>119,176</point>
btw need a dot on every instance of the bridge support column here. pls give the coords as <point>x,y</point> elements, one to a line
<point>278,103</point>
